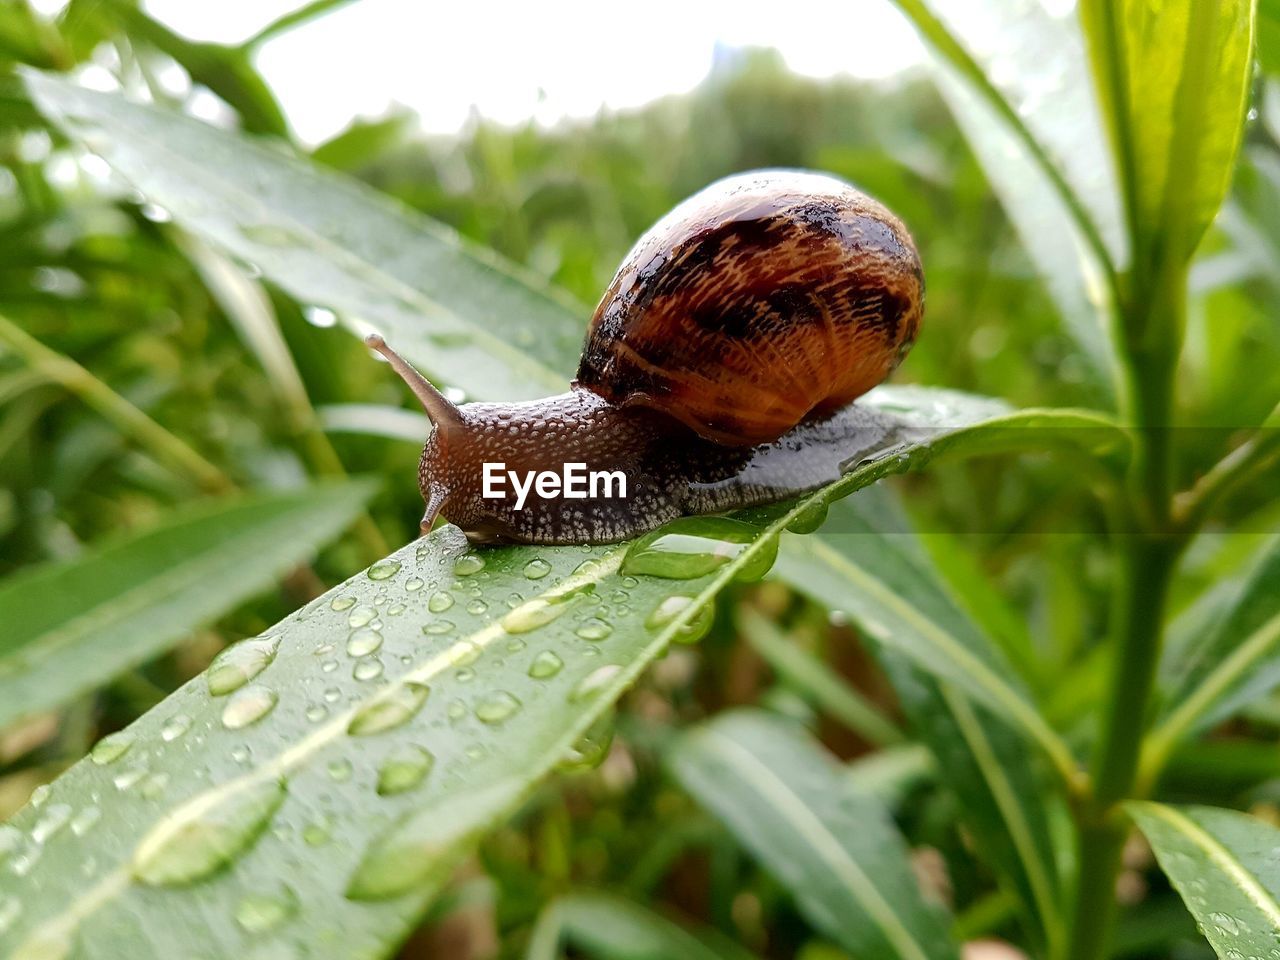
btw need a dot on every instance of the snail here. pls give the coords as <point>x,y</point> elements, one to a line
<point>718,372</point>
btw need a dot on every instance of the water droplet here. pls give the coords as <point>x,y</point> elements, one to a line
<point>390,710</point>
<point>496,707</point>
<point>111,748</point>
<point>39,795</point>
<point>328,666</point>
<point>53,820</point>
<point>339,770</point>
<point>468,565</point>
<point>414,584</point>
<point>83,821</point>
<point>239,663</point>
<point>590,686</point>
<point>537,568</point>
<point>127,779</point>
<point>594,629</point>
<point>362,616</point>
<point>175,727</point>
<point>384,569</point>
<point>248,707</point>
<point>317,712</point>
<point>259,913</point>
<point>589,750</point>
<point>317,834</point>
<point>464,653</point>
<point>671,608</point>
<point>369,669</point>
<point>396,609</point>
<point>536,613</point>
<point>440,601</point>
<point>696,546</point>
<point>332,694</point>
<point>404,769</point>
<point>810,518</point>
<point>153,786</point>
<point>343,603</point>
<point>200,838</point>
<point>363,642</point>
<point>477,607</point>
<point>545,665</point>
<point>465,675</point>
<point>456,710</point>
<point>438,628</point>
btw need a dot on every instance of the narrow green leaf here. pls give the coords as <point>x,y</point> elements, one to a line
<point>816,681</point>
<point>879,574</point>
<point>1043,152</point>
<point>1174,77</point>
<point>610,928</point>
<point>459,311</point>
<point>834,848</point>
<point>1233,659</point>
<point>511,680</point>
<point>1223,864</point>
<point>72,626</point>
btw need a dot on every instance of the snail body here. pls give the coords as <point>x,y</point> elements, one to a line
<point>718,370</point>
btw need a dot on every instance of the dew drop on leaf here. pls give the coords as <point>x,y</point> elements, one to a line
<point>545,665</point>
<point>590,686</point>
<point>438,628</point>
<point>206,835</point>
<point>468,565</point>
<point>671,608</point>
<point>239,663</point>
<point>384,569</point>
<point>696,546</point>
<point>496,707</point>
<point>363,642</point>
<point>343,603</point>
<point>175,727</point>
<point>361,616</point>
<point>594,629</point>
<point>390,710</point>
<point>260,913</point>
<point>404,769</point>
<point>248,706</point>
<point>111,748</point>
<point>339,771</point>
<point>537,568</point>
<point>51,822</point>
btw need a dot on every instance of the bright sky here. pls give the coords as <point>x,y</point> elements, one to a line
<point>547,59</point>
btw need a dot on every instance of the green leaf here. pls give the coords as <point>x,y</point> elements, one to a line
<point>72,626</point>
<point>1233,656</point>
<point>1174,80</point>
<point>459,311</point>
<point>611,928</point>
<point>817,681</point>
<point>1043,152</point>
<point>377,811</point>
<point>1223,864</point>
<point>835,849</point>
<point>878,573</point>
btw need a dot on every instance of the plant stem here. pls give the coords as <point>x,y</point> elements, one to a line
<point>65,372</point>
<point>1149,547</point>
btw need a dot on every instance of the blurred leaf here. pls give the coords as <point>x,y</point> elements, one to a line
<point>1174,80</point>
<point>1010,74</point>
<point>365,141</point>
<point>875,570</point>
<point>294,19</point>
<point>611,928</point>
<point>816,681</point>
<point>835,849</point>
<point>1223,864</point>
<point>1233,656</point>
<point>72,626</point>
<point>458,311</point>
<point>394,423</point>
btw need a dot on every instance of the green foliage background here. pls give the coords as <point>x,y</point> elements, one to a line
<point>132,389</point>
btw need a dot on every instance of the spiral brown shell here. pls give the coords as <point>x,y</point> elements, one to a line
<point>764,299</point>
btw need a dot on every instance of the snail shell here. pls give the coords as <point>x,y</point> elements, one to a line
<point>757,302</point>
